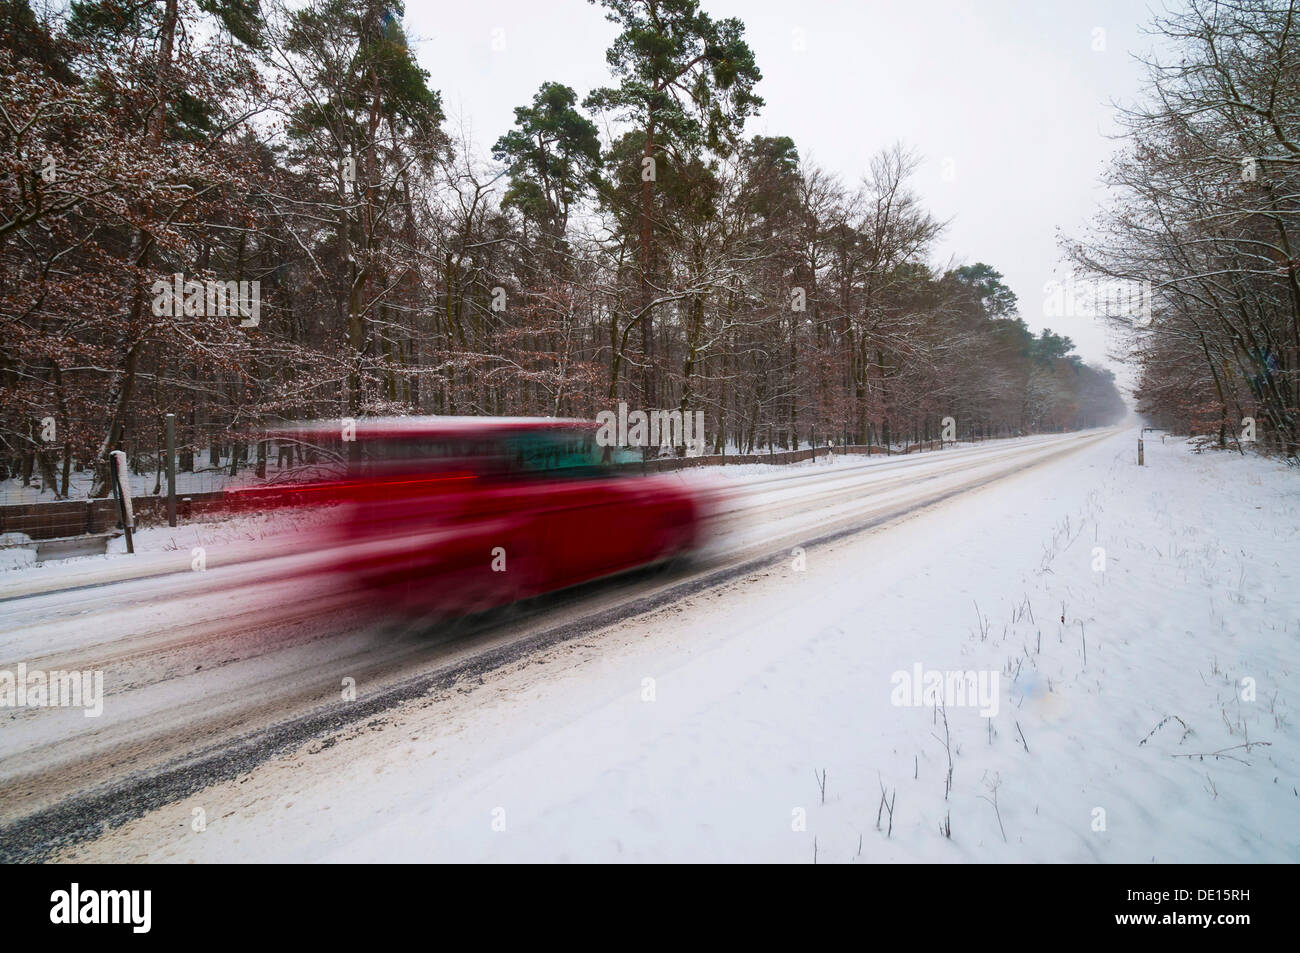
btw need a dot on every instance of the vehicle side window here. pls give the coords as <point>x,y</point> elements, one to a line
<point>430,454</point>
<point>560,453</point>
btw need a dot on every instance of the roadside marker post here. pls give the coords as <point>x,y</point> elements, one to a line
<point>1141,456</point>
<point>171,469</point>
<point>122,490</point>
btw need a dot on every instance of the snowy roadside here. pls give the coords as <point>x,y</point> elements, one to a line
<point>695,733</point>
<point>166,549</point>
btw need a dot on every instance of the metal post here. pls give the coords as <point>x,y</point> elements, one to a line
<point>171,469</point>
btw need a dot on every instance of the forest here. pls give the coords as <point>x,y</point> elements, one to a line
<point>628,243</point>
<point>1207,216</point>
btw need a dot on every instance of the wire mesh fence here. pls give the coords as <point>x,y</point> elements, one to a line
<point>54,483</point>
<point>55,459</point>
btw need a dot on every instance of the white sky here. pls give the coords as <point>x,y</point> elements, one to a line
<point>1012,93</point>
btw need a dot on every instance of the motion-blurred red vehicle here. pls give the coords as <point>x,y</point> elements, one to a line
<point>453,515</point>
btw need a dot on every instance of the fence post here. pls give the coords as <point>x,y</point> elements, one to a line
<point>122,490</point>
<point>1140,463</point>
<point>171,469</point>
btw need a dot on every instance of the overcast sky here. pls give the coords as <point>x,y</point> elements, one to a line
<point>1007,102</point>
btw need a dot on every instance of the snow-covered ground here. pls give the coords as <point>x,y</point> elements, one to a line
<point>81,482</point>
<point>1144,710</point>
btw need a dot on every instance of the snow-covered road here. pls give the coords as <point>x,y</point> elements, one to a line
<point>683,716</point>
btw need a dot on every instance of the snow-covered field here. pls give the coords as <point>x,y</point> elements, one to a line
<point>1144,710</point>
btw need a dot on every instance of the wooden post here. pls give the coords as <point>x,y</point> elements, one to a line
<point>1140,463</point>
<point>171,469</point>
<point>122,491</point>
